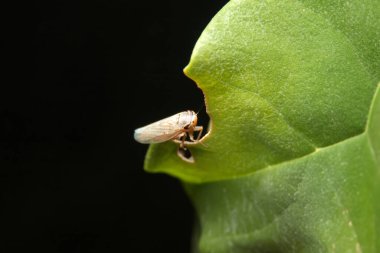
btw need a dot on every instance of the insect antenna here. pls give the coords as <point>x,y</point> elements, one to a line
<point>200,109</point>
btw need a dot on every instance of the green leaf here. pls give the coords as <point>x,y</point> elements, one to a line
<point>291,162</point>
<point>327,201</point>
<point>281,79</point>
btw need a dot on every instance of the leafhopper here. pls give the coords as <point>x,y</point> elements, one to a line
<point>175,128</point>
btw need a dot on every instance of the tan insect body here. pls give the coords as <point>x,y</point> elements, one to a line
<point>175,128</point>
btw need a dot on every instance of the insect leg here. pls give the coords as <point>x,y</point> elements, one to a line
<point>200,130</point>
<point>196,129</point>
<point>181,139</point>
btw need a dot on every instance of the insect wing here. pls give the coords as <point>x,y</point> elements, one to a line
<point>160,131</point>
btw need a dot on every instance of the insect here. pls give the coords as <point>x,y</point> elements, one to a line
<point>176,128</point>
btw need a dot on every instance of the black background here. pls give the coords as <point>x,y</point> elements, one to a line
<point>72,176</point>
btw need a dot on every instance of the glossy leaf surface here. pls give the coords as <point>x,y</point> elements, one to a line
<point>292,159</point>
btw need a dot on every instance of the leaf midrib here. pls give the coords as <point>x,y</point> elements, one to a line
<point>281,164</point>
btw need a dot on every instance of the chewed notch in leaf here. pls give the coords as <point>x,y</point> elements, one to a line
<point>281,80</point>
